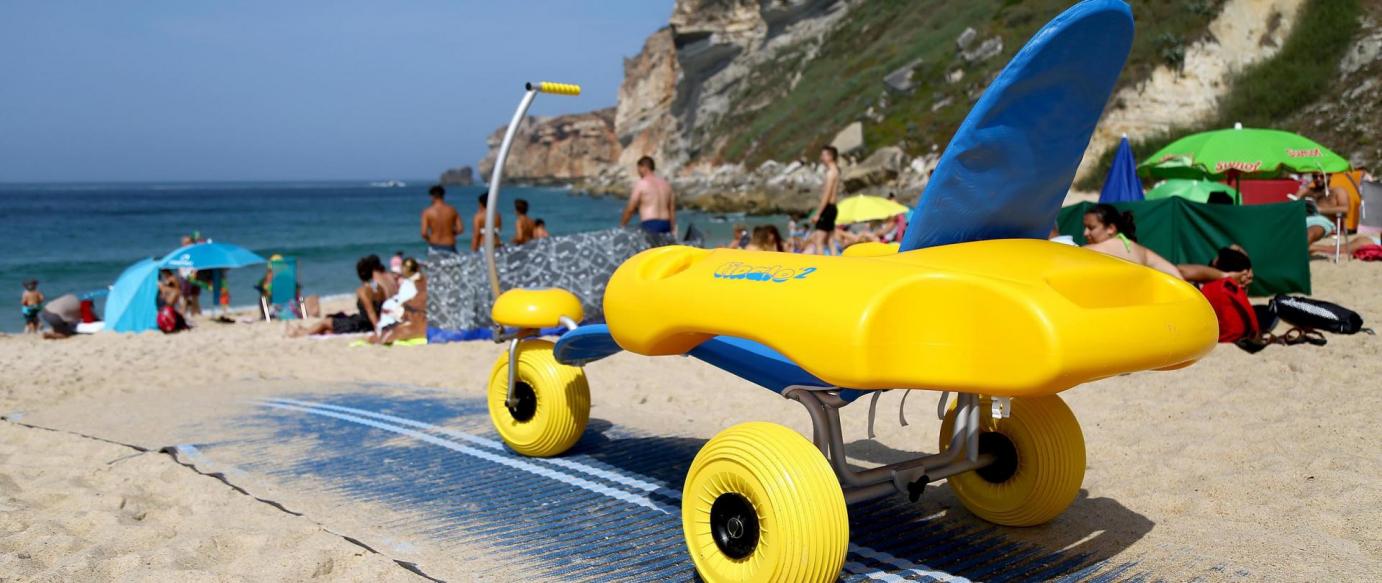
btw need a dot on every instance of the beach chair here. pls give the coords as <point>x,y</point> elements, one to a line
<point>974,304</point>
<point>284,299</point>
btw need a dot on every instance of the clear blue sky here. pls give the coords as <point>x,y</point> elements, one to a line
<point>283,90</point>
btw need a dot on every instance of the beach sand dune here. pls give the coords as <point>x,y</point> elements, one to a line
<point>1261,466</point>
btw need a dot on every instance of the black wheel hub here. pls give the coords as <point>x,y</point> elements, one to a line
<point>1004,457</point>
<point>524,404</point>
<point>734,524</point>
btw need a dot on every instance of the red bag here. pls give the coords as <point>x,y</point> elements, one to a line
<point>1236,317</point>
<point>1368,253</point>
<point>170,321</point>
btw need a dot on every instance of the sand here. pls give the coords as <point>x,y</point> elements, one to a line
<point>1266,464</point>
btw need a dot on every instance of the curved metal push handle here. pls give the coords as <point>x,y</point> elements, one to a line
<point>496,177</point>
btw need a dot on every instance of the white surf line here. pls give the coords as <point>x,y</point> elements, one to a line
<point>518,464</point>
<point>863,551</point>
<point>573,465</point>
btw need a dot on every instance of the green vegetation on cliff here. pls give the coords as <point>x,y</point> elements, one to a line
<point>1268,93</point>
<point>843,81</point>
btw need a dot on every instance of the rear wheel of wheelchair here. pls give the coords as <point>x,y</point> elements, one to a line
<point>1038,466</point>
<point>551,405</point>
<point>762,504</point>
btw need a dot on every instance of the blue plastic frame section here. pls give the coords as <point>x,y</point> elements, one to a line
<point>1013,158</point>
<point>585,345</point>
<point>746,359</point>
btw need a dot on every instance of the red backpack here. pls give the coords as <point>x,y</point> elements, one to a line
<point>1237,320</point>
<point>170,321</point>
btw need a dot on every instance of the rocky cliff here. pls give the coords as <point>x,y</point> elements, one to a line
<point>557,149</point>
<point>734,97</point>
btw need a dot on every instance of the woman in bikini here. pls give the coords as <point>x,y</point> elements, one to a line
<point>1113,233</point>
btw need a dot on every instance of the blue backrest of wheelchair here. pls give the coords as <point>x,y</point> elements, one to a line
<point>746,359</point>
<point>1010,164</point>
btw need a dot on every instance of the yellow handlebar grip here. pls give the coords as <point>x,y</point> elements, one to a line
<point>557,88</point>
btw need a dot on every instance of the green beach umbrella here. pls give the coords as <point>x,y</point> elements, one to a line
<point>1244,152</point>
<point>1196,190</point>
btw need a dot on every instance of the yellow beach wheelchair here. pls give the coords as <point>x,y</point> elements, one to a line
<point>972,304</point>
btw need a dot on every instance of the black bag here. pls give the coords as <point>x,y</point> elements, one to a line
<point>1317,314</point>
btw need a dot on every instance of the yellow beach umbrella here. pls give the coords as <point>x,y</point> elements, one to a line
<point>862,208</point>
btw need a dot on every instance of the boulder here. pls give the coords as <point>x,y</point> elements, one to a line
<point>966,39</point>
<point>462,176</point>
<point>986,50</point>
<point>849,139</point>
<point>901,79</point>
<point>881,167</point>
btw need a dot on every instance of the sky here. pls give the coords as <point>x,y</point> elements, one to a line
<point>199,90</point>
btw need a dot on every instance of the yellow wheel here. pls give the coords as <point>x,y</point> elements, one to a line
<point>762,504</point>
<point>1038,467</point>
<point>553,401</point>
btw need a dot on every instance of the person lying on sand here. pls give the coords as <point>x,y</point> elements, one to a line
<point>1113,233</point>
<point>1231,262</point>
<point>1351,244</point>
<point>368,299</point>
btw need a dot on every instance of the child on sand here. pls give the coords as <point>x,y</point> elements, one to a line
<point>30,304</point>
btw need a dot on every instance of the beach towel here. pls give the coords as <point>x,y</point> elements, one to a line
<point>1368,253</point>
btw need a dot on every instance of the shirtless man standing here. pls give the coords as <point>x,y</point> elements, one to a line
<point>441,223</point>
<point>523,228</point>
<point>478,239</point>
<point>654,199</point>
<point>824,217</point>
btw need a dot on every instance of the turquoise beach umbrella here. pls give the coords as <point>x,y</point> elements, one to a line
<point>209,256</point>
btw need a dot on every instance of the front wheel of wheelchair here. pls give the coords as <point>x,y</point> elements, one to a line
<point>1038,467</point>
<point>762,504</point>
<point>552,401</point>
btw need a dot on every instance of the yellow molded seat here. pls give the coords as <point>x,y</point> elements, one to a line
<point>536,308</point>
<point>1006,318</point>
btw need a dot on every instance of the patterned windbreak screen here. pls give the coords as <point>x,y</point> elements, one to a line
<point>458,300</point>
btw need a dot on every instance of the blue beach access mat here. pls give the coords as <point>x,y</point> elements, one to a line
<point>418,474</point>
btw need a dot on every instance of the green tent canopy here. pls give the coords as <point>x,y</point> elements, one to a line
<point>1189,232</point>
<point>1196,190</point>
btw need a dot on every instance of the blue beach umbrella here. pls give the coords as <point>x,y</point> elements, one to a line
<point>209,256</point>
<point>1122,184</point>
<point>132,305</point>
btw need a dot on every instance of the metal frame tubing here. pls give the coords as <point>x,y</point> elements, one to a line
<point>962,455</point>
<point>492,203</point>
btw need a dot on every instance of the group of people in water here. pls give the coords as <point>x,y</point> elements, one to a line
<point>442,226</point>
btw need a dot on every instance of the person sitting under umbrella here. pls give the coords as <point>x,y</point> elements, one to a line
<point>1113,233</point>
<point>1323,202</point>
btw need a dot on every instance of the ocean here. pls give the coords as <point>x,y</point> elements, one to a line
<point>77,238</point>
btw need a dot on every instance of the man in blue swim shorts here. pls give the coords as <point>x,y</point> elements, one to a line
<point>654,200</point>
